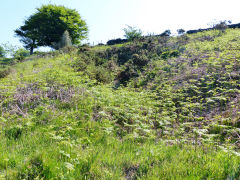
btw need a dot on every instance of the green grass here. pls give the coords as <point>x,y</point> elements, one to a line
<point>38,155</point>
<point>174,114</point>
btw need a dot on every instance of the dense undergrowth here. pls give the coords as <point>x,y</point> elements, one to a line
<point>155,108</point>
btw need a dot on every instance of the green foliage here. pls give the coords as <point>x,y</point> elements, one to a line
<point>132,33</point>
<point>4,71</point>
<point>65,41</point>
<point>37,31</point>
<point>2,52</point>
<point>13,132</point>
<point>168,54</point>
<point>34,169</point>
<point>93,65</point>
<point>180,31</point>
<point>9,49</point>
<point>220,25</point>
<point>158,108</point>
<point>20,54</point>
<point>166,33</point>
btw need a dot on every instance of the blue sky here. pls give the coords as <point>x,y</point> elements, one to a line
<point>107,18</point>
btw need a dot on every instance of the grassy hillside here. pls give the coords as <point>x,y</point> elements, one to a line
<point>156,108</point>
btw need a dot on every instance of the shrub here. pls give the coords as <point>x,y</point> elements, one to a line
<point>14,132</point>
<point>166,33</point>
<point>180,31</point>
<point>140,60</point>
<point>132,33</point>
<point>35,169</point>
<point>21,53</point>
<point>4,71</point>
<point>2,52</point>
<point>102,75</point>
<point>168,54</point>
<point>221,25</point>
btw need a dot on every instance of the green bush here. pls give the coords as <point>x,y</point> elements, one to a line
<point>14,132</point>
<point>4,71</point>
<point>2,52</point>
<point>168,54</point>
<point>35,169</point>
<point>132,33</point>
<point>20,54</point>
<point>102,75</point>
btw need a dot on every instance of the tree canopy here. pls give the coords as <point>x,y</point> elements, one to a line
<point>47,25</point>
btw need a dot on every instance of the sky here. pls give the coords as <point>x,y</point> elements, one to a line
<point>107,18</point>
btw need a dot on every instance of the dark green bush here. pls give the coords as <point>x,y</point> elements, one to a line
<point>93,65</point>
<point>168,54</point>
<point>140,60</point>
<point>35,169</point>
<point>20,54</point>
<point>102,75</point>
<point>2,52</point>
<point>14,132</point>
<point>4,71</point>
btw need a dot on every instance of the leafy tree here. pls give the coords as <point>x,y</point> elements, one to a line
<point>47,25</point>
<point>2,52</point>
<point>132,33</point>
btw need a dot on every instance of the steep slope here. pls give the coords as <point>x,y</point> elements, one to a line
<point>157,108</point>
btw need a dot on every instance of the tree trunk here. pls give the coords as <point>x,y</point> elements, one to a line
<point>32,47</point>
<point>31,50</point>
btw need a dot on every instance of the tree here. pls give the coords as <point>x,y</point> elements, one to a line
<point>47,25</point>
<point>166,33</point>
<point>220,25</point>
<point>2,52</point>
<point>132,33</point>
<point>180,31</point>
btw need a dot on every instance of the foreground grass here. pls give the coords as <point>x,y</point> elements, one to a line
<point>37,156</point>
